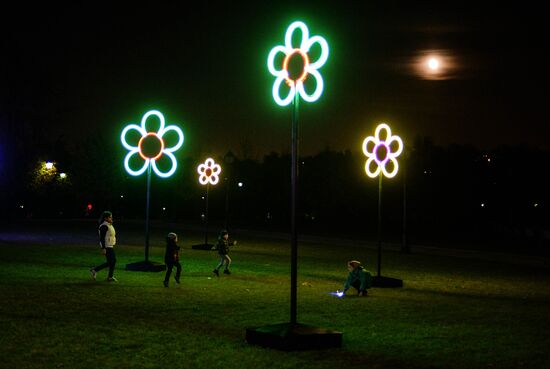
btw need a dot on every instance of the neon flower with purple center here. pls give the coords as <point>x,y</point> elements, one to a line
<point>151,146</point>
<point>382,151</point>
<point>209,172</point>
<point>300,54</point>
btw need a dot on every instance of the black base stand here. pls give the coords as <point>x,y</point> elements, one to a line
<point>203,246</point>
<point>146,266</point>
<point>386,282</point>
<point>289,337</point>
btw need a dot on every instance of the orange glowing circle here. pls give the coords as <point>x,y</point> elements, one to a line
<point>143,139</point>
<point>305,58</point>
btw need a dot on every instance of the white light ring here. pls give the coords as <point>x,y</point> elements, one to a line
<point>216,169</point>
<point>214,179</point>
<point>399,146</point>
<point>201,169</point>
<point>324,51</point>
<point>318,89</point>
<point>365,146</point>
<point>374,174</point>
<point>147,115</point>
<point>395,168</point>
<point>127,165</point>
<point>203,179</point>
<point>271,61</point>
<point>380,127</point>
<point>277,98</point>
<point>290,31</point>
<point>209,163</point>
<point>180,135</point>
<point>125,131</point>
<point>171,171</point>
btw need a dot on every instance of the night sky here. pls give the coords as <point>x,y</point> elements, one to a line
<point>83,69</point>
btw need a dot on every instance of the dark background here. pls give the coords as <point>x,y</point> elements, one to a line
<point>73,76</point>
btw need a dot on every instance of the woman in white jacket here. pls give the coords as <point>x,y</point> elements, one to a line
<point>107,241</point>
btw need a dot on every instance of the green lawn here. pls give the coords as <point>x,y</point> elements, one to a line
<point>453,312</point>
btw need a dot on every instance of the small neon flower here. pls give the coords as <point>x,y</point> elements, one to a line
<point>381,152</point>
<point>209,172</point>
<point>154,139</point>
<point>297,85</point>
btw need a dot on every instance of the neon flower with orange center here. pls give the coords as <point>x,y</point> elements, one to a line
<point>151,146</point>
<point>297,55</point>
<point>381,150</point>
<point>209,172</point>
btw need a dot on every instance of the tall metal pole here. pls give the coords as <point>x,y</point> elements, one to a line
<point>293,196</point>
<point>147,212</point>
<point>206,216</point>
<point>226,226</point>
<point>379,222</point>
<point>404,241</point>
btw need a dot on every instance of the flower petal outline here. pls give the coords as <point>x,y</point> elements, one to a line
<point>318,89</point>
<point>395,168</point>
<point>126,130</point>
<point>290,31</point>
<point>367,168</point>
<point>365,146</point>
<point>276,96</point>
<point>180,135</point>
<point>171,171</point>
<point>324,51</point>
<point>147,115</point>
<point>271,61</point>
<point>127,164</point>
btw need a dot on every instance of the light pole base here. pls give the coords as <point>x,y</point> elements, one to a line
<point>203,246</point>
<point>293,337</point>
<point>146,266</point>
<point>386,282</point>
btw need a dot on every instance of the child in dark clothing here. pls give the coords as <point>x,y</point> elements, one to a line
<point>223,250</point>
<point>172,258</point>
<point>358,277</point>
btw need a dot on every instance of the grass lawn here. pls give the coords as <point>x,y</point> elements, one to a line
<point>453,312</point>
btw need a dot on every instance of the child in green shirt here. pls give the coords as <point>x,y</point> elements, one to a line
<point>358,278</point>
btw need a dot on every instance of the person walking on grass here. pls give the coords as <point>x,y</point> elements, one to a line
<point>358,278</point>
<point>222,245</point>
<point>172,258</point>
<point>107,241</point>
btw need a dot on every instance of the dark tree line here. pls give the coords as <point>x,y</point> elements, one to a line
<point>458,193</point>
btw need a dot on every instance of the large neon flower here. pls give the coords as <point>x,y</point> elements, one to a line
<point>382,149</point>
<point>209,172</point>
<point>309,68</point>
<point>151,139</point>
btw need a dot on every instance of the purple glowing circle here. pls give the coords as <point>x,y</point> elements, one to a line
<point>382,149</point>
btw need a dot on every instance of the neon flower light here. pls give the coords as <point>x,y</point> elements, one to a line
<point>297,85</point>
<point>381,152</point>
<point>209,172</point>
<point>154,137</point>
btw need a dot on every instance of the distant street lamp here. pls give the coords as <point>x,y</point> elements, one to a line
<point>62,175</point>
<point>49,165</point>
<point>382,151</point>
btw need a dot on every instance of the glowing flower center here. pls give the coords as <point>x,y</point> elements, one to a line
<point>295,64</point>
<point>151,146</point>
<point>381,151</point>
<point>208,172</point>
